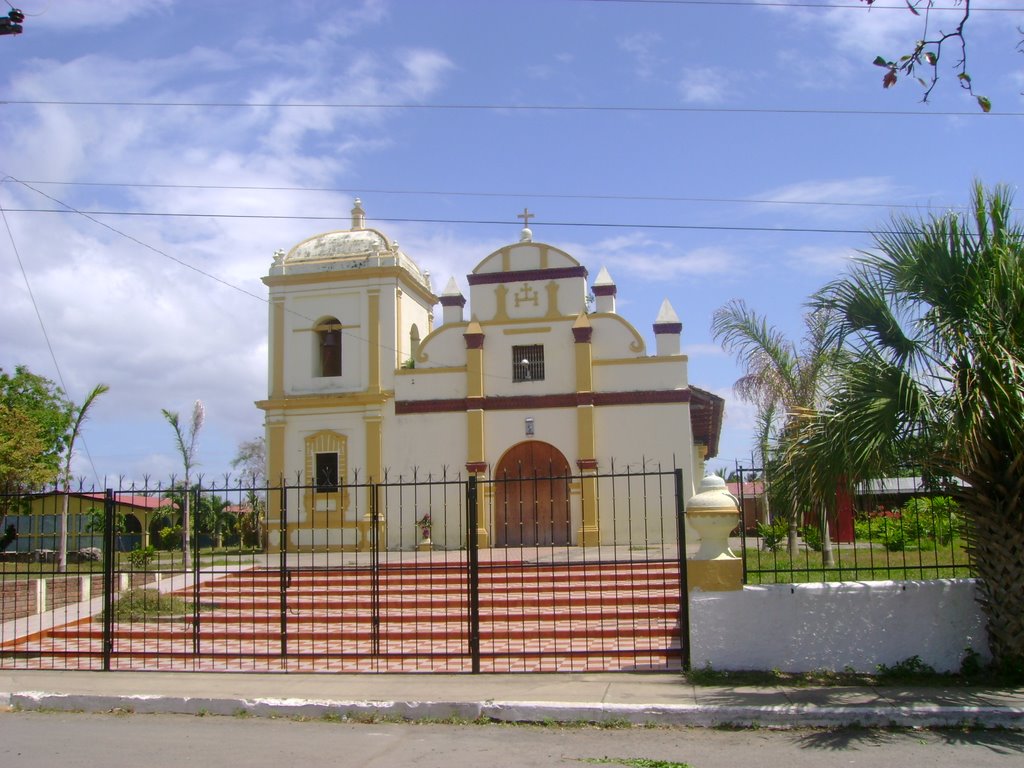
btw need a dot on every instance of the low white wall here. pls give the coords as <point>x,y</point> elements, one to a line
<point>835,626</point>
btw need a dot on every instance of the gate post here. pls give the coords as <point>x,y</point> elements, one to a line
<point>109,562</point>
<point>284,577</point>
<point>684,589</point>
<point>473,572</point>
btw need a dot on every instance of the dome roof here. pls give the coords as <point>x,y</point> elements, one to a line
<point>330,246</point>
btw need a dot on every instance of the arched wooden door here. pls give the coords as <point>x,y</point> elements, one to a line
<point>531,496</point>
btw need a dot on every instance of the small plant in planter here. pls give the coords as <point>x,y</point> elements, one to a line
<point>425,524</point>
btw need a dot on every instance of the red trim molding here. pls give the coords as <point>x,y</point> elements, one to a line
<point>527,275</point>
<point>586,464</point>
<point>536,402</point>
<point>583,335</point>
<point>676,328</point>
<point>474,340</point>
<point>453,301</point>
<point>476,466</point>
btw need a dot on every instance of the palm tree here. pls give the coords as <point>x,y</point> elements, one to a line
<point>80,415</point>
<point>187,449</point>
<point>783,381</point>
<point>934,331</point>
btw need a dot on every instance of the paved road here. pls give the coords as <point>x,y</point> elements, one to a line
<point>47,739</point>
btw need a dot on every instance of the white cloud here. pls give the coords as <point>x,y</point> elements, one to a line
<point>703,85</point>
<point>642,47</point>
<point>157,331</point>
<point>823,259</point>
<point>92,13</point>
<point>648,259</point>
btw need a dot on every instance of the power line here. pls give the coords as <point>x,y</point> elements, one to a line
<point>530,195</point>
<point>585,108</point>
<point>407,220</point>
<point>67,208</point>
<point>42,326</point>
<point>797,4</point>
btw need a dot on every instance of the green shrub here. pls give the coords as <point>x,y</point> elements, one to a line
<point>811,535</point>
<point>137,604</point>
<point>773,534</point>
<point>169,537</point>
<point>908,668</point>
<point>142,557</point>
<point>892,534</point>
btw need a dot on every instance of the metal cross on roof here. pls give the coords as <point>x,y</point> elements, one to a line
<point>526,216</point>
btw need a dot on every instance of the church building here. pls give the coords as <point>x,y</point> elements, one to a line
<point>536,375</point>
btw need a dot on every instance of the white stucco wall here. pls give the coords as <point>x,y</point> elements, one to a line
<point>803,627</point>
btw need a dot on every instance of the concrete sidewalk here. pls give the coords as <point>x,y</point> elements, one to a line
<point>643,698</point>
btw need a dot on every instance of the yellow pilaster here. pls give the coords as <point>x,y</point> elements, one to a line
<point>476,458</point>
<point>374,474</point>
<point>275,475</point>
<point>714,575</point>
<point>373,339</point>
<point>589,533</point>
<point>277,349</point>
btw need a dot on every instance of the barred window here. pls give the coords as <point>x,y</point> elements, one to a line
<point>326,472</point>
<point>528,362</point>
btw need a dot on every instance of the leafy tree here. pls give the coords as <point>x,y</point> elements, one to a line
<point>34,420</point>
<point>933,330</point>
<point>783,381</point>
<point>79,415</point>
<point>927,52</point>
<point>186,445</point>
<point>251,460</point>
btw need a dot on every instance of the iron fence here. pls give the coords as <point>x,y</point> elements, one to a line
<point>891,528</point>
<point>575,572</point>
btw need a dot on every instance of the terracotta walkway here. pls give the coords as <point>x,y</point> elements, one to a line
<point>413,617</point>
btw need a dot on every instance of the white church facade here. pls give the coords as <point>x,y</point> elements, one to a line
<point>541,377</point>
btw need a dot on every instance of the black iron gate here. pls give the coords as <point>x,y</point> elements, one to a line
<point>393,576</point>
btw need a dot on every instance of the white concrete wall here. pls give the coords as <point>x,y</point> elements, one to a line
<point>803,627</point>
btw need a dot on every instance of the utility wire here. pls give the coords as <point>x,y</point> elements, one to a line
<point>406,220</point>
<point>797,4</point>
<point>42,326</point>
<point>67,208</point>
<point>530,195</point>
<point>512,108</point>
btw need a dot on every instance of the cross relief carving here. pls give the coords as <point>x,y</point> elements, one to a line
<point>526,295</point>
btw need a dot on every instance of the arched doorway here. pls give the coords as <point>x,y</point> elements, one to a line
<point>531,496</point>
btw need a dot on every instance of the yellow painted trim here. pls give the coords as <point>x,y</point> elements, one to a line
<point>374,447</point>
<point>277,348</point>
<point>714,575</point>
<point>423,371</point>
<point>320,401</point>
<point>517,331</point>
<point>638,345</point>
<point>500,304</point>
<point>589,533</point>
<point>586,438</point>
<point>373,320</point>
<point>275,471</point>
<point>641,360</point>
<point>399,341</point>
<point>474,365</point>
<point>373,274</point>
<point>552,291</point>
<point>475,435</point>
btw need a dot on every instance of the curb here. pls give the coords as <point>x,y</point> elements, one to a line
<point>781,717</point>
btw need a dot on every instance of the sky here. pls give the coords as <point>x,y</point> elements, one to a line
<point>700,151</point>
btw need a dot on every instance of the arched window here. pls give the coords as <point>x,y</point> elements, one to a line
<point>328,341</point>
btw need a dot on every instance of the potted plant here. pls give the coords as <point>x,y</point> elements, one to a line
<point>424,524</point>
